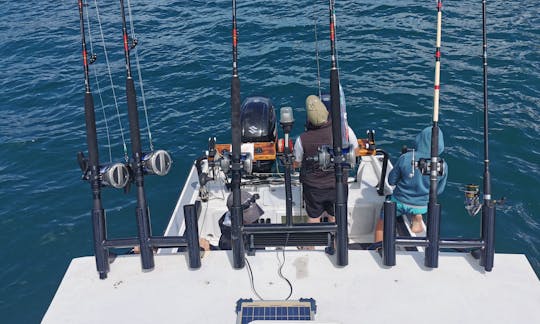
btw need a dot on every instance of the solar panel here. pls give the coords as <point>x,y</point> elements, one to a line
<point>275,310</point>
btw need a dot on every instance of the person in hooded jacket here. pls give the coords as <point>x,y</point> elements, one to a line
<point>411,192</point>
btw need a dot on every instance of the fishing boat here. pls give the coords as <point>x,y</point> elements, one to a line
<point>265,277</point>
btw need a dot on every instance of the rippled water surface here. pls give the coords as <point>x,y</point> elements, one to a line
<point>386,67</point>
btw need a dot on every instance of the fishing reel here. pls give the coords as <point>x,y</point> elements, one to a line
<point>472,199</point>
<point>116,175</point>
<point>424,165</point>
<point>326,159</point>
<point>225,161</point>
<point>156,162</point>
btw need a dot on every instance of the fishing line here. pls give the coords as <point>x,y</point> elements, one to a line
<point>126,157</point>
<point>92,60</point>
<point>335,34</point>
<point>133,46</point>
<point>317,54</point>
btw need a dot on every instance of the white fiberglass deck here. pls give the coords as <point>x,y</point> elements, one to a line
<point>459,291</point>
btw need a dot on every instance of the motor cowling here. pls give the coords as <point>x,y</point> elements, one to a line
<point>258,120</point>
<point>258,124</point>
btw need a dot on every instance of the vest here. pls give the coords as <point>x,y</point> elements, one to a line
<point>310,172</point>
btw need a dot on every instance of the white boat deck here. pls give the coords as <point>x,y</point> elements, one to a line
<point>365,291</point>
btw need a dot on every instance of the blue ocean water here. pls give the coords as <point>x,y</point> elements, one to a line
<point>386,58</point>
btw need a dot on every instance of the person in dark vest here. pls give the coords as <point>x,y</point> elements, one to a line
<point>319,186</point>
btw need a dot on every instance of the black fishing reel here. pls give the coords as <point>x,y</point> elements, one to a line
<point>116,175</point>
<point>424,165</point>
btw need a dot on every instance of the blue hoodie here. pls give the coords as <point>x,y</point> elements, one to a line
<point>415,190</point>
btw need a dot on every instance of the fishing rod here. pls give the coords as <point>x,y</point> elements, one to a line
<point>435,165</point>
<point>114,174</point>
<point>98,213</point>
<point>488,209</point>
<point>237,241</point>
<point>143,218</point>
<point>341,189</point>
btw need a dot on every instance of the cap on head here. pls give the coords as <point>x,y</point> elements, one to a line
<point>316,111</point>
<point>252,211</point>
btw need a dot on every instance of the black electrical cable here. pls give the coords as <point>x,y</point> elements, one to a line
<point>250,273</point>
<point>280,273</point>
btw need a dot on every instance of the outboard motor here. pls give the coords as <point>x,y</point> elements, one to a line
<point>258,122</point>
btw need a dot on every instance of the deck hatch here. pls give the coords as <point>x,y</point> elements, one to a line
<point>274,310</point>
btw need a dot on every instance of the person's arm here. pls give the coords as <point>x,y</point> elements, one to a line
<point>395,174</point>
<point>442,180</point>
<point>352,138</point>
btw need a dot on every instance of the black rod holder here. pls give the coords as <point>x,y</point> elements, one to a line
<point>380,189</point>
<point>127,242</point>
<point>192,236</point>
<point>168,241</point>
<point>443,243</point>
<point>460,243</point>
<point>154,241</point>
<point>433,230</point>
<point>412,242</point>
<point>100,235</point>
<point>389,236</point>
<point>488,255</point>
